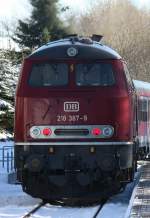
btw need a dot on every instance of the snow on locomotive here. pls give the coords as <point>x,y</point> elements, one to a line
<point>76,129</point>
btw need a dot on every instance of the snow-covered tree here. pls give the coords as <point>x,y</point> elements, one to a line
<point>8,79</point>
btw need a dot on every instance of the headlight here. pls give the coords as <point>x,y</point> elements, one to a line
<point>35,132</point>
<point>108,131</point>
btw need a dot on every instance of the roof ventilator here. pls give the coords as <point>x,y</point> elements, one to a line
<point>85,40</point>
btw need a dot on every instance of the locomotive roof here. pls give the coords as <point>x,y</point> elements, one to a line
<point>85,50</point>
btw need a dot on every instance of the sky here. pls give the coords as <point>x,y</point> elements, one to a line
<point>20,8</point>
<point>142,3</point>
<point>14,8</point>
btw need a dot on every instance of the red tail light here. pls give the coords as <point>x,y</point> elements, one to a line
<point>47,131</point>
<point>96,131</point>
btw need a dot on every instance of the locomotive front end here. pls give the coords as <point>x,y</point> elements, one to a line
<point>74,133</point>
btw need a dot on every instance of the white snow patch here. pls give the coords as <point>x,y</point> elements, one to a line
<point>117,206</point>
<point>5,135</point>
<point>115,210</point>
<point>13,194</point>
<point>14,203</point>
<point>50,211</point>
<point>4,103</point>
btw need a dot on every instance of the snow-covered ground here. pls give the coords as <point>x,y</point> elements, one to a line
<point>14,203</point>
<point>117,206</point>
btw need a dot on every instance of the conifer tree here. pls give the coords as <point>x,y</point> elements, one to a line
<point>8,79</point>
<point>43,26</point>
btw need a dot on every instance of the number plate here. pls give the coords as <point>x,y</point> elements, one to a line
<point>71,118</point>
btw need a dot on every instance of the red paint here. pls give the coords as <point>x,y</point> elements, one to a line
<point>102,105</point>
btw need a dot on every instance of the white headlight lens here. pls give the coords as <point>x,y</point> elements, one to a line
<point>72,51</point>
<point>35,132</point>
<point>108,131</point>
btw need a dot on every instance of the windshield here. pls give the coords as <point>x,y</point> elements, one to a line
<point>97,74</point>
<point>47,74</point>
<point>56,74</point>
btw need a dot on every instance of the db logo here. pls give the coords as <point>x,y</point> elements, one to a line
<point>71,106</point>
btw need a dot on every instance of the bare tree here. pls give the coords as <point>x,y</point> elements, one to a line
<point>7,29</point>
<point>125,28</point>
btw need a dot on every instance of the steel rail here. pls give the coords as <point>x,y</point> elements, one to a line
<point>30,213</point>
<point>99,209</point>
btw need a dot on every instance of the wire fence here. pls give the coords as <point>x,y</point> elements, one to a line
<point>7,158</point>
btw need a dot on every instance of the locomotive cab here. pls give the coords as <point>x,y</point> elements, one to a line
<point>74,132</point>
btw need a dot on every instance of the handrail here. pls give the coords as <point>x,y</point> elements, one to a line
<point>7,158</point>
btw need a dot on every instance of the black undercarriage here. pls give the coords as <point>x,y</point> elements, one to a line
<point>74,174</point>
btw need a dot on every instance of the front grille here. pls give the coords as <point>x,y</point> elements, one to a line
<point>71,132</point>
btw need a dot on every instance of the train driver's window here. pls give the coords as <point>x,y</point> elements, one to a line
<point>95,74</point>
<point>47,74</point>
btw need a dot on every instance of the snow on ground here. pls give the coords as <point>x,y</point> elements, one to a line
<point>14,203</point>
<point>50,211</point>
<point>13,194</point>
<point>118,204</point>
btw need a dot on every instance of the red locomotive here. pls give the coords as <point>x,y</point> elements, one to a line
<point>76,123</point>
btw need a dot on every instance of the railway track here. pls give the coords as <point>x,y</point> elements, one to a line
<point>32,212</point>
<point>141,185</point>
<point>98,211</point>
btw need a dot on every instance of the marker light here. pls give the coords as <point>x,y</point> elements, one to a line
<point>47,131</point>
<point>96,131</point>
<point>107,131</point>
<point>35,132</point>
